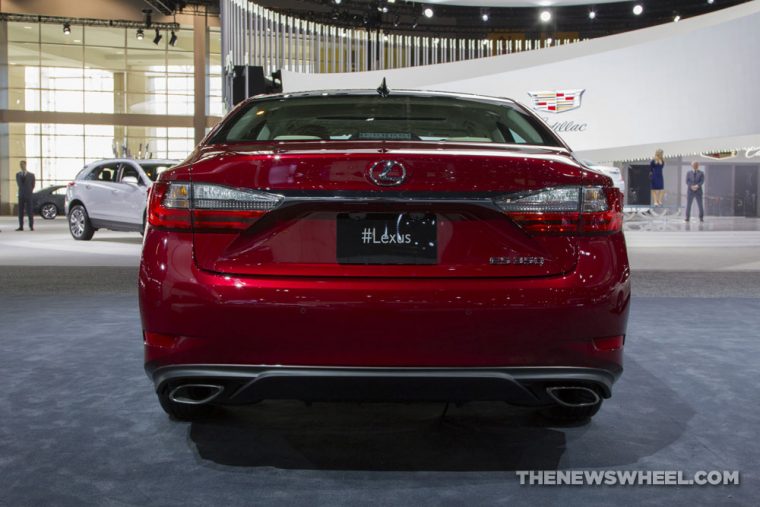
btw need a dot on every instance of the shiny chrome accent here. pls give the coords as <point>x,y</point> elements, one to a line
<point>525,261</point>
<point>573,396</point>
<point>387,173</point>
<point>177,397</point>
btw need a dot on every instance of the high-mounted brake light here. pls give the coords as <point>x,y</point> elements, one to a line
<point>183,205</point>
<point>565,210</point>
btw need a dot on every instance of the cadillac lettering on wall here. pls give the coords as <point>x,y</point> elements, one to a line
<point>559,101</point>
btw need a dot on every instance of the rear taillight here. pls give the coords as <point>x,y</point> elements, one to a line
<point>180,205</point>
<point>169,205</point>
<point>565,210</point>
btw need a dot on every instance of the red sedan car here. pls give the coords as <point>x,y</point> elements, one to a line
<point>409,245</point>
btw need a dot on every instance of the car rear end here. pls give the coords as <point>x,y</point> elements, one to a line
<point>371,250</point>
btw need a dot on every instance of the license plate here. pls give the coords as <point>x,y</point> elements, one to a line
<point>387,238</point>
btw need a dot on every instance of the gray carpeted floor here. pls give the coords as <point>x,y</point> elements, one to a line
<point>79,424</point>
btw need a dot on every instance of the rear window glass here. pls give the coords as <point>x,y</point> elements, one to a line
<point>153,170</point>
<point>376,118</point>
<point>104,172</point>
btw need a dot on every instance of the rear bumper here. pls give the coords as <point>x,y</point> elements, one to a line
<point>194,317</point>
<point>244,384</point>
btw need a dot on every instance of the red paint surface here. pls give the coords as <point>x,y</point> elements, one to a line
<point>273,294</point>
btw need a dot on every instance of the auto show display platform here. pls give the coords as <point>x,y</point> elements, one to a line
<point>79,424</point>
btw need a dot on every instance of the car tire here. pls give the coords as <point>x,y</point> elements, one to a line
<point>79,223</point>
<point>184,412</point>
<point>49,211</point>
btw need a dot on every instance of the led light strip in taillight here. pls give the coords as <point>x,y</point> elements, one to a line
<point>565,210</point>
<point>182,205</point>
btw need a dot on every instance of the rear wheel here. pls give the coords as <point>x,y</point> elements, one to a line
<point>48,211</point>
<point>79,224</point>
<point>184,412</point>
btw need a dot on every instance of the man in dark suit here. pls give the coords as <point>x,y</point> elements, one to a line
<point>25,181</point>
<point>694,181</point>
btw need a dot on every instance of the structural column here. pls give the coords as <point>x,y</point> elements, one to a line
<point>200,61</point>
<point>5,160</point>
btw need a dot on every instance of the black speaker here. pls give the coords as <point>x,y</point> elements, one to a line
<point>639,186</point>
<point>256,82</point>
<point>745,191</point>
<point>253,76</point>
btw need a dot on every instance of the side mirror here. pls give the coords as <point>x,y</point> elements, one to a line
<point>129,179</point>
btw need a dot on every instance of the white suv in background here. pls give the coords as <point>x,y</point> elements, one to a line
<point>611,171</point>
<point>111,194</point>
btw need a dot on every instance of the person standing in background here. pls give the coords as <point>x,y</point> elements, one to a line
<point>657,179</point>
<point>25,181</point>
<point>694,181</point>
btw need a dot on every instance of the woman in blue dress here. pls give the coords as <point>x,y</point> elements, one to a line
<point>657,179</point>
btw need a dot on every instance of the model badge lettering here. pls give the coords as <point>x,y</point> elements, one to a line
<point>529,261</point>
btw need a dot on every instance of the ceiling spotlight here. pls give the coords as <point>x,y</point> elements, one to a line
<point>676,18</point>
<point>337,2</point>
<point>545,16</point>
<point>591,14</point>
<point>710,2</point>
<point>157,38</point>
<point>173,39</point>
<point>67,28</point>
<point>638,9</point>
<point>140,34</point>
<point>428,12</point>
<point>484,17</point>
<point>148,13</point>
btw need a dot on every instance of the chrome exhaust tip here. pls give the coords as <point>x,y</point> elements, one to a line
<point>195,394</point>
<point>573,396</point>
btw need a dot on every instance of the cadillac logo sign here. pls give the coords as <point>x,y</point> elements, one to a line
<point>387,173</point>
<point>556,101</point>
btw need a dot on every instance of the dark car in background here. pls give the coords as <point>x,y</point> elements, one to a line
<point>49,202</point>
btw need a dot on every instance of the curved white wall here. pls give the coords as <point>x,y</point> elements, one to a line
<point>688,87</point>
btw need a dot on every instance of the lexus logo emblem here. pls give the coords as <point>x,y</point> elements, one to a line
<point>387,173</point>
